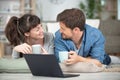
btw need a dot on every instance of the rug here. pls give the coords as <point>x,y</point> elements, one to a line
<point>20,66</point>
<point>112,68</point>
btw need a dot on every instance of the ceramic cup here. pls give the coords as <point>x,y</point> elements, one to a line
<point>63,55</point>
<point>36,49</point>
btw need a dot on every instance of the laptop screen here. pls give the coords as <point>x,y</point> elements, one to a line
<point>44,65</point>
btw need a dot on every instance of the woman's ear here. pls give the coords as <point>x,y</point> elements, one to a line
<point>27,34</point>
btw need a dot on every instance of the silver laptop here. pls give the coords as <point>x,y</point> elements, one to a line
<point>45,65</point>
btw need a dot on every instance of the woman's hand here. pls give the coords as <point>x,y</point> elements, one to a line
<point>23,48</point>
<point>44,51</point>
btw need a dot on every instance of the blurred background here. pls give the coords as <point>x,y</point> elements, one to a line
<point>106,11</point>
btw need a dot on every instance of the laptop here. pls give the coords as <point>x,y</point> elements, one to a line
<point>45,65</point>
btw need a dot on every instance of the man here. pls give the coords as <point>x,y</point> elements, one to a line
<point>83,42</point>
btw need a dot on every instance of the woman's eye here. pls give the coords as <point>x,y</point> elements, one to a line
<point>37,30</point>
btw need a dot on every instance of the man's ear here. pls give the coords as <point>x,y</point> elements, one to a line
<point>27,34</point>
<point>76,29</point>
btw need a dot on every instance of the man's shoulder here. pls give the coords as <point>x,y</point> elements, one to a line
<point>92,30</point>
<point>93,33</point>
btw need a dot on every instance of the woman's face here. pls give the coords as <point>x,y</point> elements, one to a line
<point>36,33</point>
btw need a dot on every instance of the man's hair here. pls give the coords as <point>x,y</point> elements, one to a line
<point>72,18</point>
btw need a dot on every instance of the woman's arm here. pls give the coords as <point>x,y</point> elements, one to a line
<point>23,48</point>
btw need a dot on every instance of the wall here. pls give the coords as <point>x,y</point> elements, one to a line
<point>48,11</point>
<point>118,9</point>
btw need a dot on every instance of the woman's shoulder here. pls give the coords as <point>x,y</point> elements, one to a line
<point>48,35</point>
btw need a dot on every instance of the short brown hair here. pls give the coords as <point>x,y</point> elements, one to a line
<point>72,18</point>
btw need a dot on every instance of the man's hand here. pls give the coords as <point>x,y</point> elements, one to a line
<point>73,58</point>
<point>23,48</point>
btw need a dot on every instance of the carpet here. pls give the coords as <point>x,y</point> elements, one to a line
<point>112,68</point>
<point>115,64</point>
<point>20,66</point>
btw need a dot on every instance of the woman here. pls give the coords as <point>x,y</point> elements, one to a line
<point>26,31</point>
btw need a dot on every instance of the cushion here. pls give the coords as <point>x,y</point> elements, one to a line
<point>53,27</point>
<point>93,22</point>
<point>20,66</point>
<point>13,65</point>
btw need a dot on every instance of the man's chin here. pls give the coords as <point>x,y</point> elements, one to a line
<point>65,37</point>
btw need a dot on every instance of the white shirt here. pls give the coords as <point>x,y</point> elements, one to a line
<point>48,45</point>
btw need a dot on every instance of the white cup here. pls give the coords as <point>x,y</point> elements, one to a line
<point>36,49</point>
<point>63,55</point>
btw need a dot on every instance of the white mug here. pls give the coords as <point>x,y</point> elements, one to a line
<point>63,55</point>
<point>36,49</point>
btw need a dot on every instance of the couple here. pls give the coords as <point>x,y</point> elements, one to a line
<point>84,43</point>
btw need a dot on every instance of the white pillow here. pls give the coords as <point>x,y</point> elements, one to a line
<point>53,27</point>
<point>93,22</point>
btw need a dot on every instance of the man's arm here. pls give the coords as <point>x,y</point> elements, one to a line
<point>88,59</point>
<point>95,45</point>
<point>74,58</point>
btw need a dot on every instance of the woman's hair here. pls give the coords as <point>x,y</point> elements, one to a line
<point>72,18</point>
<point>16,27</point>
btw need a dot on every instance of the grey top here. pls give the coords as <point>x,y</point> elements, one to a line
<point>48,45</point>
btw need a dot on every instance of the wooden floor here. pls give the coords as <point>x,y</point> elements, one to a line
<point>83,76</point>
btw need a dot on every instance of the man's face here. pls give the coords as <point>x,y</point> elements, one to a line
<point>65,31</point>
